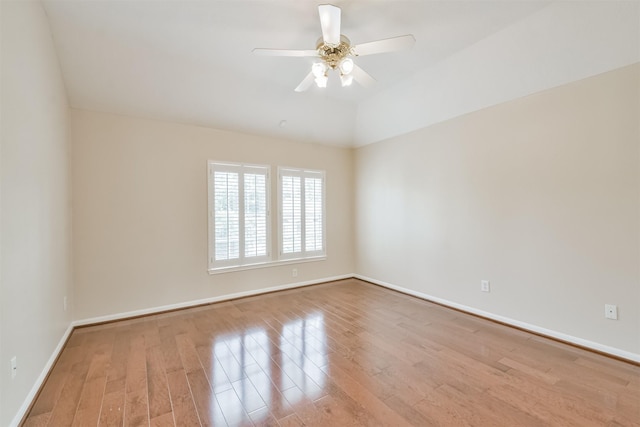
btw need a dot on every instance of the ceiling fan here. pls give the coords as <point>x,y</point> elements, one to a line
<point>335,52</point>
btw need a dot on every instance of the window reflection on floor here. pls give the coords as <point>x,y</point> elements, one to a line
<point>303,346</point>
<point>270,367</point>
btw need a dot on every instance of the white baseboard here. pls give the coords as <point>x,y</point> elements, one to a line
<point>193,303</point>
<point>41,378</point>
<point>613,351</point>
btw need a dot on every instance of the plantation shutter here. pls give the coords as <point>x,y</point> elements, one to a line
<point>301,213</point>
<point>227,215</point>
<point>239,219</point>
<point>291,214</point>
<point>255,214</point>
<point>314,215</point>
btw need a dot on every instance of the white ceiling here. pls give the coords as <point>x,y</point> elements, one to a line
<point>191,61</point>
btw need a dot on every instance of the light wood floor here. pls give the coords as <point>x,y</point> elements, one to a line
<point>341,353</point>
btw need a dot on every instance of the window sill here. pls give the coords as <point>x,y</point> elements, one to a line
<point>268,264</point>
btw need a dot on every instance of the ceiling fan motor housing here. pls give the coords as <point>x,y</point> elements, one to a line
<point>332,55</point>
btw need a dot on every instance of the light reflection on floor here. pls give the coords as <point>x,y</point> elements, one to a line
<point>275,366</point>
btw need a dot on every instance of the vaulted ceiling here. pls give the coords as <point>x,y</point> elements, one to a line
<point>192,61</point>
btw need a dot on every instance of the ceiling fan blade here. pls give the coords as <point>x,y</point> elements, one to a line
<point>330,23</point>
<point>385,45</point>
<point>362,77</point>
<point>284,52</point>
<point>306,83</point>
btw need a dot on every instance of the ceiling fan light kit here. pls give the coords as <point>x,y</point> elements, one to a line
<point>335,51</point>
<point>346,79</point>
<point>334,58</point>
<point>346,66</point>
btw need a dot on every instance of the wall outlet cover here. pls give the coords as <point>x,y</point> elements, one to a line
<point>485,286</point>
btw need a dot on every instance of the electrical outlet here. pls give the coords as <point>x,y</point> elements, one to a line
<point>611,311</point>
<point>485,286</point>
<point>294,272</point>
<point>64,303</point>
<point>14,367</point>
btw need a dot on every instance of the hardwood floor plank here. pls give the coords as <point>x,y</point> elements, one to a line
<point>165,420</point>
<point>216,375</point>
<point>230,365</point>
<point>157,387</point>
<point>170,354</point>
<point>90,404</point>
<point>248,395</point>
<point>308,413</point>
<point>563,408</point>
<point>40,420</point>
<point>361,394</point>
<point>112,411</point>
<point>291,421</point>
<point>188,354</point>
<point>184,409</point>
<point>345,410</point>
<point>136,390</point>
<point>536,373</point>
<point>343,353</point>
<point>205,400</point>
<point>50,392</point>
<point>270,393</point>
<point>65,408</point>
<point>232,409</point>
<point>408,412</point>
<point>263,418</point>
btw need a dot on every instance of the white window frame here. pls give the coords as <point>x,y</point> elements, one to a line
<point>303,253</point>
<point>242,260</point>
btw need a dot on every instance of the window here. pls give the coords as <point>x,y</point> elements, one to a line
<point>301,214</point>
<point>238,215</point>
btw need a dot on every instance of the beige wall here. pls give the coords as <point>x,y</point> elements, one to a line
<point>35,272</point>
<point>140,212</point>
<point>539,195</point>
